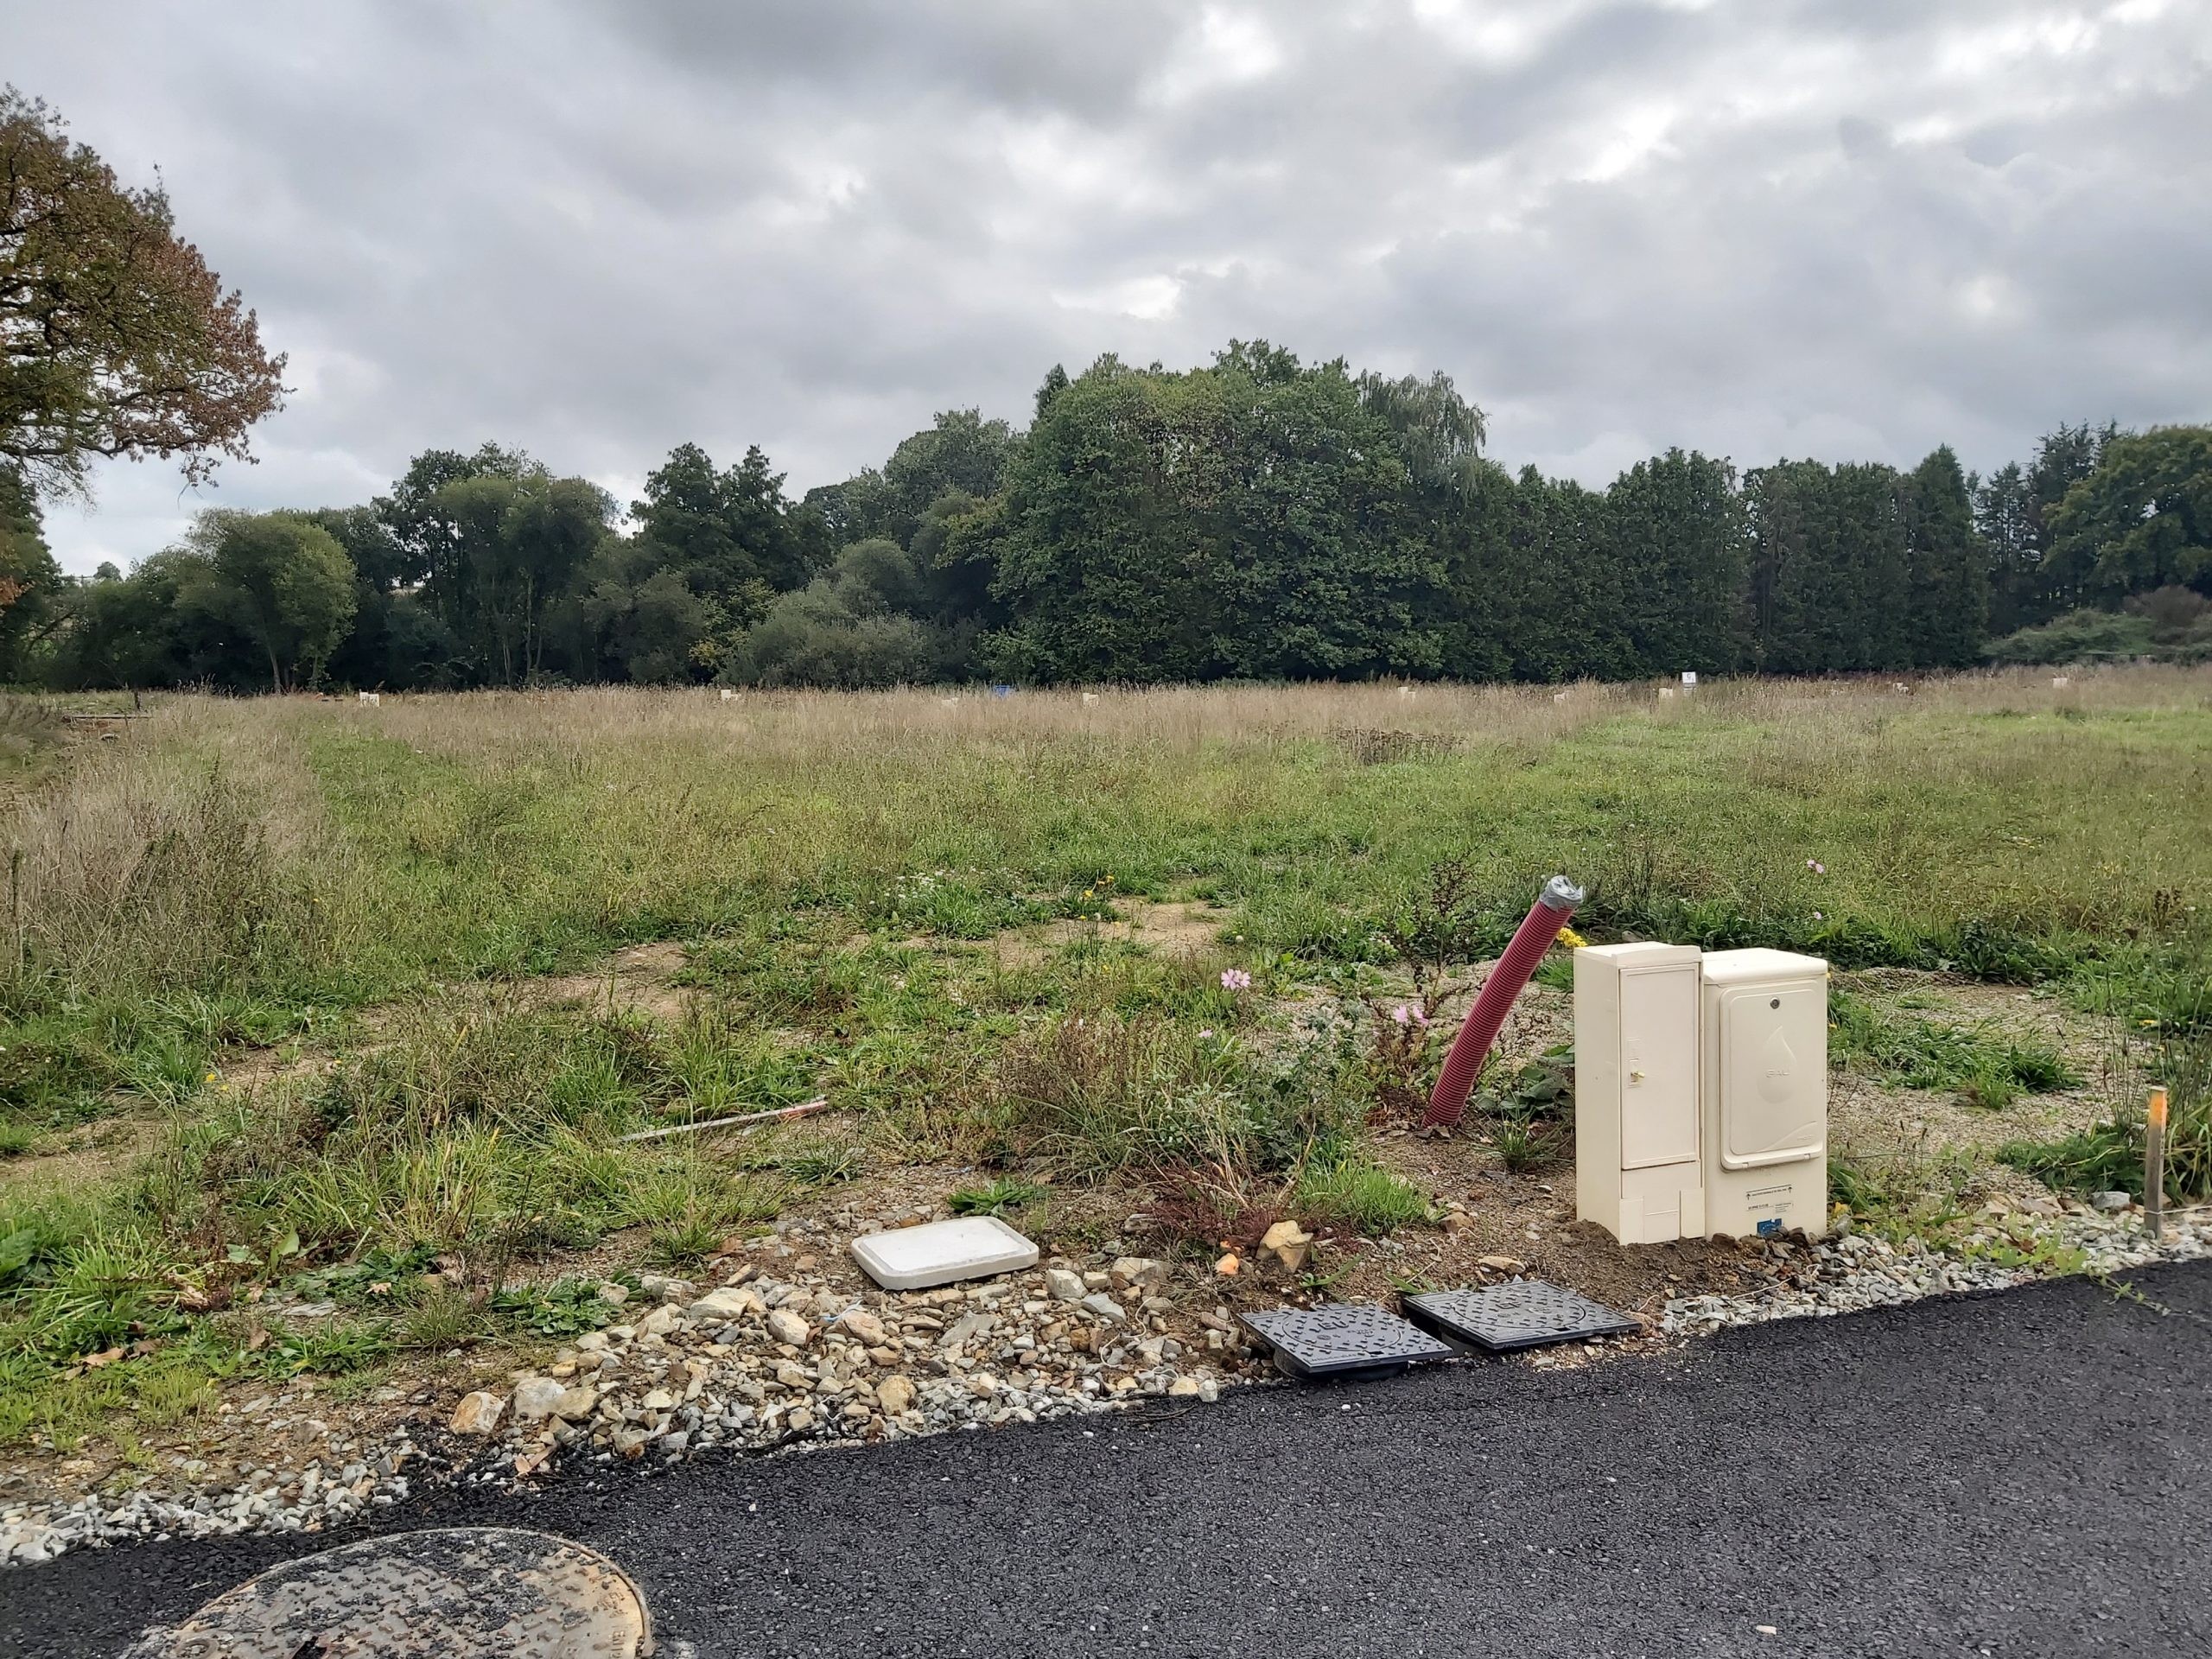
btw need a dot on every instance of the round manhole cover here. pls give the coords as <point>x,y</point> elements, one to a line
<point>456,1592</point>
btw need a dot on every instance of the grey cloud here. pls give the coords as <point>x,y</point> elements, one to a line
<point>1763,227</point>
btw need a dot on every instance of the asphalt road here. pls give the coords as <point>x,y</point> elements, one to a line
<point>2024,1473</point>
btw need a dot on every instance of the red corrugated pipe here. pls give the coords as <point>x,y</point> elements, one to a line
<point>1448,1104</point>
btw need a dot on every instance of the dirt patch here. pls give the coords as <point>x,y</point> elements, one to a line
<point>1176,927</point>
<point>1869,1116</point>
<point>84,1157</point>
<point>640,979</point>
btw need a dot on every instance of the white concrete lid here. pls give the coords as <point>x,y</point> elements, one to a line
<point>967,1246</point>
<point>1735,967</point>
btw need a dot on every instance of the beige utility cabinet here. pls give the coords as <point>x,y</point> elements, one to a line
<point>1637,1146</point>
<point>1765,1093</point>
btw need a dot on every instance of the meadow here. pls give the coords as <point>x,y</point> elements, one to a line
<point>360,1001</point>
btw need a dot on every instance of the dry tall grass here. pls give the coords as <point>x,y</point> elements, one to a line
<point>223,832</point>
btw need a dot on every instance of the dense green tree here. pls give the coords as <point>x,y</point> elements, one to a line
<point>1316,571</point>
<point>1676,526</point>
<point>2141,519</point>
<point>31,587</point>
<point>956,551</point>
<point>388,644</point>
<point>731,534</point>
<point>1113,506</point>
<point>426,535</point>
<point>520,542</point>
<point>816,636</point>
<point>959,451</point>
<point>1436,433</point>
<point>2013,516</point>
<point>280,581</point>
<point>1560,592</point>
<point>126,631</point>
<point>1829,581</point>
<point>114,337</point>
<point>1946,593</point>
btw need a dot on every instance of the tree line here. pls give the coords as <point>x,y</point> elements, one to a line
<point>1257,517</point>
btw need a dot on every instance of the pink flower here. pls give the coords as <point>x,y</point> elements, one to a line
<point>1818,917</point>
<point>1816,867</point>
<point>1402,1015</point>
<point>1236,979</point>
<point>1208,1032</point>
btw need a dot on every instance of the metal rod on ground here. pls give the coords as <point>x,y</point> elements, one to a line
<point>799,1110</point>
<point>2154,1164</point>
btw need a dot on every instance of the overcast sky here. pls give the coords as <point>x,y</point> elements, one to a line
<point>1850,229</point>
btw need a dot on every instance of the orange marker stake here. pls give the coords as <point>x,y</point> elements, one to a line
<point>2154,1164</point>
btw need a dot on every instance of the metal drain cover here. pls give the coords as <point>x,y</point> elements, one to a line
<point>458,1592</point>
<point>1519,1313</point>
<point>1343,1340</point>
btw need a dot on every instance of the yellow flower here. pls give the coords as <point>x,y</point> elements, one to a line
<point>1571,939</point>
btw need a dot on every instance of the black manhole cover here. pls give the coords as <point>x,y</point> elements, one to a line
<point>1519,1313</point>
<point>457,1593</point>
<point>1342,1340</point>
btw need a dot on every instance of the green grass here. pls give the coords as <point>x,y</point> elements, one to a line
<point>1986,1070</point>
<point>1359,1194</point>
<point>374,884</point>
<point>2173,1028</point>
<point>995,1197</point>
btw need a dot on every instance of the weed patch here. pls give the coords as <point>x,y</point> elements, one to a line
<point>1986,1071</point>
<point>1354,1190</point>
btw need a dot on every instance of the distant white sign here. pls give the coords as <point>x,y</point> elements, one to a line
<point>1689,676</point>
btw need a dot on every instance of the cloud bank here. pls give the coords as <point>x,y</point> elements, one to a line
<point>1851,229</point>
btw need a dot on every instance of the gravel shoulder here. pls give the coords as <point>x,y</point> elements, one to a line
<point>2013,1475</point>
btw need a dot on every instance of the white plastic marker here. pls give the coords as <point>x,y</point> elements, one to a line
<point>799,1110</point>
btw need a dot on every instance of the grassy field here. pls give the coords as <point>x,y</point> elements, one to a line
<point>361,999</point>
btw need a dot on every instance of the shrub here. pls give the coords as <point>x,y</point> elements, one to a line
<point>822,635</point>
<point>2077,637</point>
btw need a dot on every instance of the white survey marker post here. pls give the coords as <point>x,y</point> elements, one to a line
<point>1636,1091</point>
<point>1765,1045</point>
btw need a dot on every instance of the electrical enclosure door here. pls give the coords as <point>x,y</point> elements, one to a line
<point>1773,1061</point>
<point>1658,1067</point>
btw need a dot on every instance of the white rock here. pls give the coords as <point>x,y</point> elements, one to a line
<point>575,1404</point>
<point>1065,1286</point>
<point>1138,1272</point>
<point>724,1307</point>
<point>536,1398</point>
<point>479,1413</point>
<point>864,1325</point>
<point>787,1328</point>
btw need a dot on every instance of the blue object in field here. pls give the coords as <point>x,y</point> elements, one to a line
<point>1001,690</point>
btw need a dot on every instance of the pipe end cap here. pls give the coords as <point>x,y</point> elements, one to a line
<point>1560,893</point>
